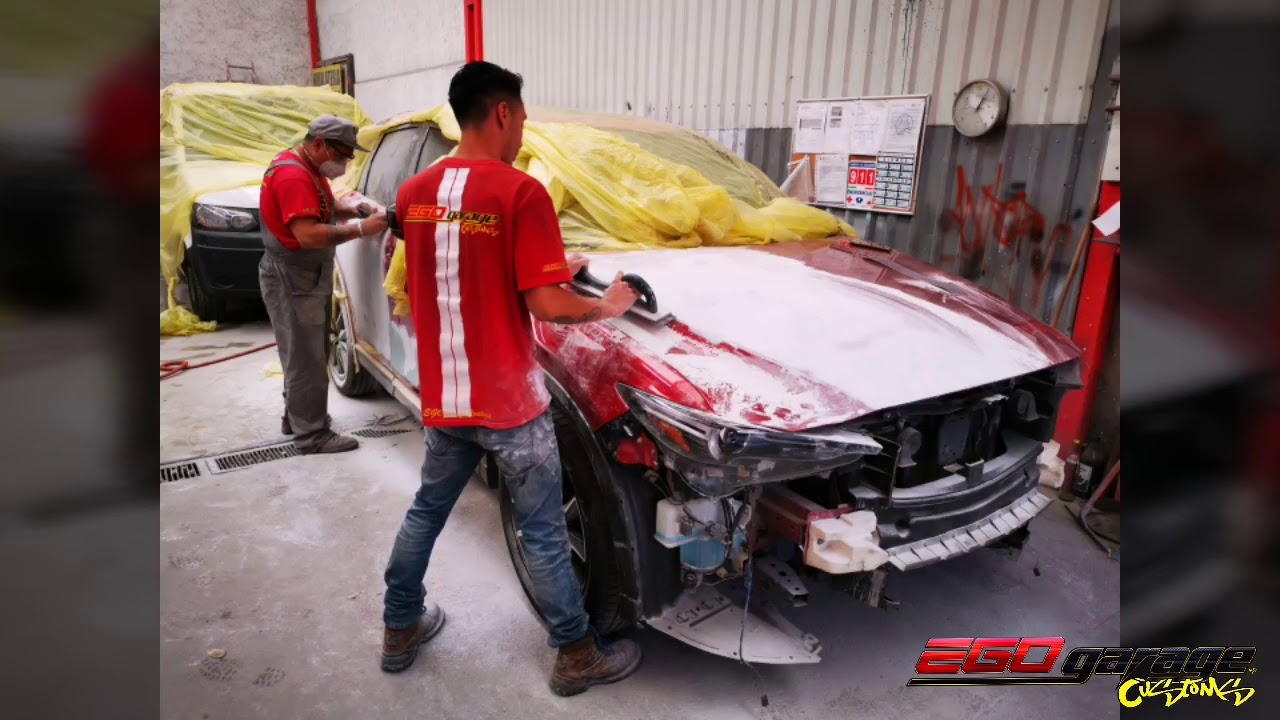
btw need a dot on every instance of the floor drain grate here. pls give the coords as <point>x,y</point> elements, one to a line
<point>179,471</point>
<point>244,459</point>
<point>379,432</point>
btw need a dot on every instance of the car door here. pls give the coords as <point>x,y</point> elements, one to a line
<point>400,153</point>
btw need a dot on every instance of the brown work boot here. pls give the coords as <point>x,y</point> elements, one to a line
<point>591,661</point>
<point>330,442</point>
<point>400,647</point>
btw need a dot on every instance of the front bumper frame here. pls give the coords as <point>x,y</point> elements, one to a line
<point>969,537</point>
<point>956,517</point>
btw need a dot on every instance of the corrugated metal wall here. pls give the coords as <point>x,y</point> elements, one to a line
<point>1005,210</point>
<point>718,64</point>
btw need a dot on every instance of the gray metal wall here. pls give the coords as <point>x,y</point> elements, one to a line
<point>710,64</point>
<point>1006,210</point>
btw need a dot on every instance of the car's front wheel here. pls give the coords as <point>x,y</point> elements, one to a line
<point>350,379</point>
<point>204,303</point>
<point>591,539</point>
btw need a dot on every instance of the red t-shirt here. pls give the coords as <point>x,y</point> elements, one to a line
<point>289,193</point>
<point>478,234</point>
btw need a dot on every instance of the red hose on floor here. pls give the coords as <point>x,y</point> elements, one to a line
<point>177,367</point>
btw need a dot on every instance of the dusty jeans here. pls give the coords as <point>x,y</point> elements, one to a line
<point>530,465</point>
<point>298,295</point>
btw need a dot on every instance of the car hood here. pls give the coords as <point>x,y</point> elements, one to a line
<point>242,197</point>
<point>806,334</point>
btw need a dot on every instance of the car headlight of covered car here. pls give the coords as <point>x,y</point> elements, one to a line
<point>214,217</point>
<point>717,457</point>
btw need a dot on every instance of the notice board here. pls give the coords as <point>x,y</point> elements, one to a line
<point>863,153</point>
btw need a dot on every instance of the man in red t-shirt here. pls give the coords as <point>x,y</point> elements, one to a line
<point>300,231</point>
<point>484,252</point>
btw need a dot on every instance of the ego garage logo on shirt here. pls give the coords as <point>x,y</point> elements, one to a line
<point>440,213</point>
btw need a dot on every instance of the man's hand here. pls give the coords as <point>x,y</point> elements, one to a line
<point>577,261</point>
<point>374,225</point>
<point>355,205</point>
<point>619,297</point>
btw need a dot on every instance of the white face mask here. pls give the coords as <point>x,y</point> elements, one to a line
<point>333,169</point>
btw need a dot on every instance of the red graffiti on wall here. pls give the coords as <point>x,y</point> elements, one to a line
<point>1014,224</point>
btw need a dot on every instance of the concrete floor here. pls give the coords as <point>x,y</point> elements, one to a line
<point>280,565</point>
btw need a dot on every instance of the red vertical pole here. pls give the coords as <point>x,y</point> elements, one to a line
<point>474,10</point>
<point>1094,315</point>
<point>313,30</point>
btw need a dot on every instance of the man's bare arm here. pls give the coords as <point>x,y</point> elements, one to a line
<point>312,233</point>
<point>553,303</point>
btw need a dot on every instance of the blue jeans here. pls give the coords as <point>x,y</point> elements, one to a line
<point>530,465</point>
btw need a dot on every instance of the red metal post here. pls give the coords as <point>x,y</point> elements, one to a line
<point>474,10</point>
<point>1094,315</point>
<point>314,30</point>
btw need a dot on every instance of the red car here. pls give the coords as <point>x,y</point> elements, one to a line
<point>826,407</point>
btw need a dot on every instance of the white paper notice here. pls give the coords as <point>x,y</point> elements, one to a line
<point>866,129</point>
<point>902,127</point>
<point>811,120</point>
<point>832,176</point>
<point>836,137</point>
<point>1108,223</point>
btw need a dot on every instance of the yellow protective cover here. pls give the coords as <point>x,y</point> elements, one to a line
<point>623,183</point>
<point>219,136</point>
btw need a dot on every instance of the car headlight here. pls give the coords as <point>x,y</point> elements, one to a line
<point>717,457</point>
<point>213,217</point>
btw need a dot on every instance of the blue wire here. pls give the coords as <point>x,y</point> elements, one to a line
<point>742,632</point>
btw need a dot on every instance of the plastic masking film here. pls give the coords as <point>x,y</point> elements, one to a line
<point>624,183</point>
<point>220,136</point>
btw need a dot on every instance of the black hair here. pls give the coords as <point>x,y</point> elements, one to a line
<point>477,87</point>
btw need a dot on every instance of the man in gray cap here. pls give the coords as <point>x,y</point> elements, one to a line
<point>303,224</point>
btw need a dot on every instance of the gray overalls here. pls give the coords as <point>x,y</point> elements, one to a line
<point>297,288</point>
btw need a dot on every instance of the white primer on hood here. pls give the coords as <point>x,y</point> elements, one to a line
<point>875,344</point>
<point>241,197</point>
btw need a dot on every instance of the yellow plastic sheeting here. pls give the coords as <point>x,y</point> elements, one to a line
<point>621,183</point>
<point>220,136</point>
<point>178,320</point>
<point>397,281</point>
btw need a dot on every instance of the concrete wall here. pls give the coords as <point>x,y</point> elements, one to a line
<point>405,51</point>
<point>199,37</point>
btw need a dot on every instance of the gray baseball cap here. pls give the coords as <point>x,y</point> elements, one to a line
<point>332,127</point>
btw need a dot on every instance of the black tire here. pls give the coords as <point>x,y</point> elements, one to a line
<point>204,303</point>
<point>591,534</point>
<point>346,376</point>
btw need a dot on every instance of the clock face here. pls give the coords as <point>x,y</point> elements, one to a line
<point>979,108</point>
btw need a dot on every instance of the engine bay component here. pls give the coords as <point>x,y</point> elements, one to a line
<point>845,544</point>
<point>785,579</point>
<point>706,531</point>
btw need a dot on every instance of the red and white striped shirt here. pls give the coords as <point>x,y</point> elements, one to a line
<point>478,234</point>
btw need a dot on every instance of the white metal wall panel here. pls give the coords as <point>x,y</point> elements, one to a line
<point>743,63</point>
<point>400,65</point>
